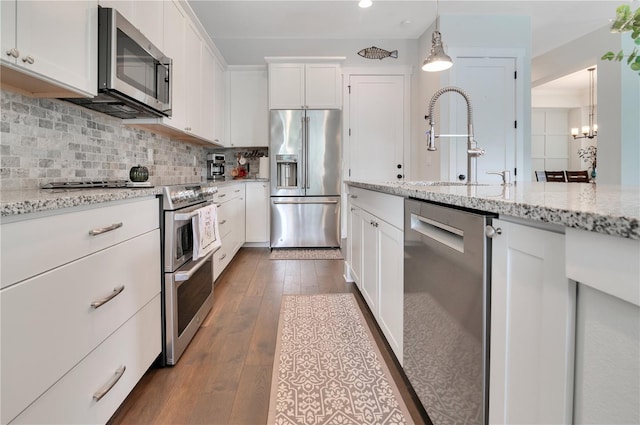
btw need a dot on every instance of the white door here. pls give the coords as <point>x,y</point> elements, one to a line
<point>490,83</point>
<point>376,126</point>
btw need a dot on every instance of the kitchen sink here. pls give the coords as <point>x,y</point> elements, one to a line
<point>434,183</point>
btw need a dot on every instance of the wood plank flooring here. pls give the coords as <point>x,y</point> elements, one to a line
<point>224,376</point>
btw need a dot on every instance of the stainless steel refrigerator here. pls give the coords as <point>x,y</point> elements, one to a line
<point>305,152</point>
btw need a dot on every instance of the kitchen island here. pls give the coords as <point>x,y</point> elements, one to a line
<point>564,295</point>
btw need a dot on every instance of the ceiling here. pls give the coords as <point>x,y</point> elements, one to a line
<point>553,22</point>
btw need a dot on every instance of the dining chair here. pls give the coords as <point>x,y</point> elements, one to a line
<point>577,176</point>
<point>554,176</point>
<point>540,177</point>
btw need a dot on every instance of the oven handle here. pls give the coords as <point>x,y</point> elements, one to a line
<point>188,215</point>
<point>182,276</point>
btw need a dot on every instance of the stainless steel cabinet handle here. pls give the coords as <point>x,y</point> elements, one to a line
<point>353,209</point>
<point>13,52</point>
<point>222,222</point>
<point>492,232</point>
<point>115,293</point>
<point>104,390</point>
<point>354,196</point>
<point>28,59</point>
<point>237,190</point>
<point>222,195</point>
<point>102,230</point>
<point>305,202</point>
<point>223,257</point>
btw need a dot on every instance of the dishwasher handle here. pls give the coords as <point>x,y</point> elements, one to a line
<point>440,232</point>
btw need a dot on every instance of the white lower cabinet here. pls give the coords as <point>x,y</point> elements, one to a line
<point>532,327</point>
<point>68,325</point>
<point>257,212</point>
<point>230,203</point>
<point>376,259</point>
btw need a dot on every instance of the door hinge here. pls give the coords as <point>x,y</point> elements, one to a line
<point>349,172</point>
<point>515,124</point>
<point>349,87</point>
<point>515,171</point>
<point>349,132</point>
<point>515,75</point>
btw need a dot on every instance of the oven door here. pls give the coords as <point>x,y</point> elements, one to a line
<point>188,298</point>
<point>178,239</point>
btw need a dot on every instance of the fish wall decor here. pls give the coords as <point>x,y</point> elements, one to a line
<point>374,52</point>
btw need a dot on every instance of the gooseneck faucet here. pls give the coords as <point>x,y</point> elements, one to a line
<point>473,151</point>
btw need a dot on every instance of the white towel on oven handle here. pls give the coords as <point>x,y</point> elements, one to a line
<point>206,237</point>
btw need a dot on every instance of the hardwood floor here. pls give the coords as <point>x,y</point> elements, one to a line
<point>224,376</point>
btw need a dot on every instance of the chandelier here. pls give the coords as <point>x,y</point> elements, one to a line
<point>590,131</point>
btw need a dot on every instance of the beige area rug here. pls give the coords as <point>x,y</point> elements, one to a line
<point>328,369</point>
<point>306,254</point>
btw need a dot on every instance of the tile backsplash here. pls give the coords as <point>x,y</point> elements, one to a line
<point>46,140</point>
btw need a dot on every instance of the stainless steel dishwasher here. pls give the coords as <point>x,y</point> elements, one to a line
<point>446,311</point>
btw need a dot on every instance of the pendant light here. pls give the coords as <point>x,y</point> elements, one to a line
<point>591,131</point>
<point>437,60</point>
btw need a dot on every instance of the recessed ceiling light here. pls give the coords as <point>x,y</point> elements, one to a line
<point>406,22</point>
<point>365,3</point>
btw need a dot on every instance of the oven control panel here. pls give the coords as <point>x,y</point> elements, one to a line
<point>181,196</point>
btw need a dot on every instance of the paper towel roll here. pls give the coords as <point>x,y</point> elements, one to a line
<point>263,167</point>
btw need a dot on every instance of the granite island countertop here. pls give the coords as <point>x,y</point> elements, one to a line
<point>608,209</point>
<point>16,202</point>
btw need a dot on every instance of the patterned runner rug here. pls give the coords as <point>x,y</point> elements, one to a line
<point>306,254</point>
<point>328,369</point>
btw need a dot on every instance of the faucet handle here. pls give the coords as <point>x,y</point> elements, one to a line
<point>505,174</point>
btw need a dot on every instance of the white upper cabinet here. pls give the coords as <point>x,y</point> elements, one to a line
<point>248,108</point>
<point>219,103</point>
<point>305,86</point>
<point>146,16</point>
<point>46,56</point>
<point>174,36</point>
<point>207,89</point>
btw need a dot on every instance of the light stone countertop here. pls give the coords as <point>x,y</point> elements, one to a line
<point>15,202</point>
<point>608,209</point>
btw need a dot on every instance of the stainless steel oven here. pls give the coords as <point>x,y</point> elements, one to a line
<point>188,284</point>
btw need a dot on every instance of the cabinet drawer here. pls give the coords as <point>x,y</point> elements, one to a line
<point>389,208</point>
<point>49,325</point>
<point>225,218</point>
<point>135,345</point>
<point>33,246</point>
<point>223,256</point>
<point>228,192</point>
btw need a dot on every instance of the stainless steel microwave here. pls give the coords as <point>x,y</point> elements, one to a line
<point>134,77</point>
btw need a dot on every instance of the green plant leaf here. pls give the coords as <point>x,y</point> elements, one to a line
<point>619,56</point>
<point>635,66</point>
<point>632,56</point>
<point>608,56</point>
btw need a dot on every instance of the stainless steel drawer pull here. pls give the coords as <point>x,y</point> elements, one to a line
<point>237,190</point>
<point>104,390</point>
<point>102,230</point>
<point>223,256</point>
<point>222,195</point>
<point>354,196</point>
<point>305,202</point>
<point>115,293</point>
<point>222,222</point>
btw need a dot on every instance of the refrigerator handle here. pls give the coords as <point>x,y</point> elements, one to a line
<point>306,153</point>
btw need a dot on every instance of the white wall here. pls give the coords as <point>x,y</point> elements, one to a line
<point>618,93</point>
<point>253,51</point>
<point>461,35</point>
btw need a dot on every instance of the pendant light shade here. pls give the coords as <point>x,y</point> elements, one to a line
<point>438,60</point>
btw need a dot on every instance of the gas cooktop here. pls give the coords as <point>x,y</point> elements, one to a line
<point>97,184</point>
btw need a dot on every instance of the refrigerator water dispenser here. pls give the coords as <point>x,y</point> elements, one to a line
<point>287,168</point>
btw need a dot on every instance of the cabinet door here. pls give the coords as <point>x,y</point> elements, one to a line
<point>148,18</point>
<point>193,60</point>
<point>323,88</point>
<point>8,30</point>
<point>286,86</point>
<point>219,102</point>
<point>239,217</point>
<point>69,57</point>
<point>207,99</point>
<point>532,327</point>
<point>248,108</point>
<point>370,273</point>
<point>391,267</point>
<point>355,254</point>
<point>174,30</point>
<point>257,212</point>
